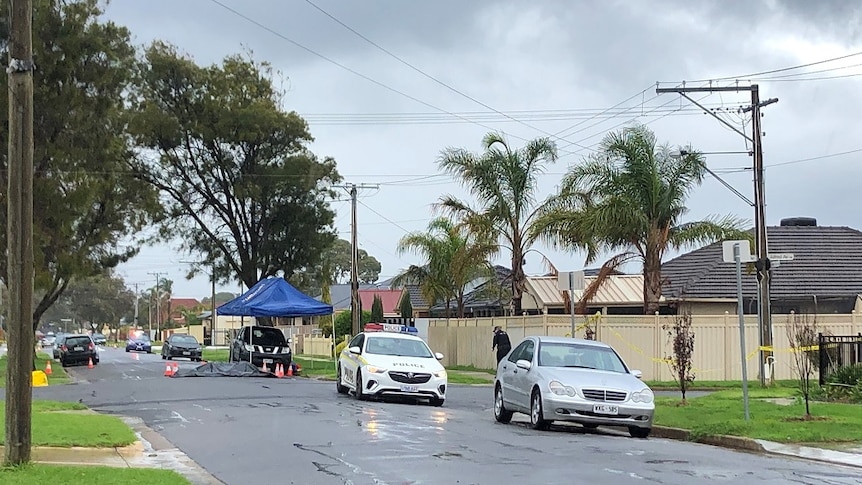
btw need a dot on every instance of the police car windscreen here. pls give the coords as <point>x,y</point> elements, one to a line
<point>397,346</point>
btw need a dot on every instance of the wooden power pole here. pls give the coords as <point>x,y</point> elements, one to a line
<point>19,278</point>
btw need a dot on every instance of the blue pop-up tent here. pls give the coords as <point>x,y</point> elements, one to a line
<point>274,297</point>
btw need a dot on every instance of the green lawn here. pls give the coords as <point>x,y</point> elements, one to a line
<point>721,413</point>
<point>320,367</point>
<point>710,385</point>
<point>41,474</point>
<point>70,424</point>
<point>470,368</point>
<point>58,374</point>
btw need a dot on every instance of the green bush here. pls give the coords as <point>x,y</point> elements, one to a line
<point>340,347</point>
<point>850,375</point>
<point>343,324</point>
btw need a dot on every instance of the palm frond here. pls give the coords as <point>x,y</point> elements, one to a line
<point>605,272</point>
<point>708,231</point>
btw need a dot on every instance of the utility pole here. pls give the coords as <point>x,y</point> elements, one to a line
<point>762,263</point>
<point>136,306</point>
<point>213,313</point>
<point>19,227</point>
<point>158,305</point>
<point>355,313</point>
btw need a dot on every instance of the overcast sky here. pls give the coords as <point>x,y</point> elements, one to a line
<point>544,68</point>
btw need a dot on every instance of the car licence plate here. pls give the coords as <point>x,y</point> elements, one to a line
<point>409,389</point>
<point>267,361</point>
<point>79,349</point>
<point>187,353</point>
<point>606,409</point>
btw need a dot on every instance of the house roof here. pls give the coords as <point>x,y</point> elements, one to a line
<point>827,262</point>
<point>340,295</point>
<point>617,290</point>
<point>179,303</point>
<point>390,299</point>
<point>483,292</point>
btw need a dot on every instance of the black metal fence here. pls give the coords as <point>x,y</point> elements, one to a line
<point>837,351</point>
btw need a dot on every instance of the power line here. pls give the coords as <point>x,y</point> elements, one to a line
<point>782,69</point>
<point>399,226</point>
<point>351,70</point>
<point>425,74</point>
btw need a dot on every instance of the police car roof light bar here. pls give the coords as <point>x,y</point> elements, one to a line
<point>390,327</point>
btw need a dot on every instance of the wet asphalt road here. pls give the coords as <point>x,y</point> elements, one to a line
<point>299,431</point>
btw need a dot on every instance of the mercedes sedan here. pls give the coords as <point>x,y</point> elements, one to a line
<point>567,379</point>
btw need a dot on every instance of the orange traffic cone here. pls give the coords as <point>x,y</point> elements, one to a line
<point>176,368</point>
<point>168,371</point>
<point>90,363</point>
<point>279,370</point>
<point>289,370</point>
<point>48,368</point>
<point>264,368</point>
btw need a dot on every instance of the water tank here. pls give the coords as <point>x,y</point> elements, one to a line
<point>799,221</point>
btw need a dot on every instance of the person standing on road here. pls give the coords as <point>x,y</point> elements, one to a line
<point>501,343</point>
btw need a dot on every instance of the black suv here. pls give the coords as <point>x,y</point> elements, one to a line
<point>265,345</point>
<point>78,349</point>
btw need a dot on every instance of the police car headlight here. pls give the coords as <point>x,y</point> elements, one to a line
<point>375,370</point>
<point>248,348</point>
<point>441,374</point>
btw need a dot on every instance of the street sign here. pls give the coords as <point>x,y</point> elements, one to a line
<point>577,281</point>
<point>781,257</point>
<point>745,255</point>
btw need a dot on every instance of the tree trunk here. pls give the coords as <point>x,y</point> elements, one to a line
<point>652,282</point>
<point>460,303</point>
<point>517,283</point>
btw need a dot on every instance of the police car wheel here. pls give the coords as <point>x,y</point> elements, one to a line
<point>341,388</point>
<point>360,396</point>
<point>437,402</point>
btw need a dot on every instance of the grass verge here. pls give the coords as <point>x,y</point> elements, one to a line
<point>772,418</point>
<point>713,385</point>
<point>58,374</point>
<point>322,367</point>
<point>65,425</point>
<point>41,474</point>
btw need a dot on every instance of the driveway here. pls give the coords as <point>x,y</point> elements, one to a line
<point>260,431</point>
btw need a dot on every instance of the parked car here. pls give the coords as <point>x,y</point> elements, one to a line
<point>567,379</point>
<point>139,343</point>
<point>182,345</point>
<point>78,349</point>
<point>48,340</point>
<point>58,342</point>
<point>261,345</point>
<point>99,339</point>
<point>385,362</point>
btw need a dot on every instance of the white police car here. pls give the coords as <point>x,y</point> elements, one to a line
<point>391,360</point>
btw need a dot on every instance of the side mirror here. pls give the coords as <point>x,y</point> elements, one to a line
<point>289,341</point>
<point>355,350</point>
<point>438,356</point>
<point>524,364</point>
<point>637,373</point>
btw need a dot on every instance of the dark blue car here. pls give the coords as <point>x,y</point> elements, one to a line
<point>140,343</point>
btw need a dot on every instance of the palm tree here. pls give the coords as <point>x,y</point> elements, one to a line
<point>454,258</point>
<point>504,182</point>
<point>630,196</point>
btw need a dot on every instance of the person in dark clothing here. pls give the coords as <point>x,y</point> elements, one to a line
<point>501,343</point>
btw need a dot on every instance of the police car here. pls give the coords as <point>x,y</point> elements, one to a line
<point>391,360</point>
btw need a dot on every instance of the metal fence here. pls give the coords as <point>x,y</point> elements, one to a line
<point>837,351</point>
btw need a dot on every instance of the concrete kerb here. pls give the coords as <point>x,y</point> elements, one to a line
<point>762,446</point>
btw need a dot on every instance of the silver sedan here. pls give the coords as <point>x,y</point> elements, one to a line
<point>567,379</point>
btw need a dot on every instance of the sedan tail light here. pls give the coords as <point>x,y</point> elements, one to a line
<point>92,346</point>
<point>63,348</point>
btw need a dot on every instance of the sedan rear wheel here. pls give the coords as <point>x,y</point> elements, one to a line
<point>537,415</point>
<point>501,414</point>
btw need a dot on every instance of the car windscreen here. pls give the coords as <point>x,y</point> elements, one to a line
<point>184,339</point>
<point>401,347</point>
<point>77,341</point>
<point>558,354</point>
<point>266,336</point>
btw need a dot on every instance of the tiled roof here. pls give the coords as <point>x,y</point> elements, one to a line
<point>827,263</point>
<point>188,303</point>
<point>390,299</point>
<point>616,290</point>
<point>483,294</point>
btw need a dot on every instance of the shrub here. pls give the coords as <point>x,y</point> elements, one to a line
<point>340,347</point>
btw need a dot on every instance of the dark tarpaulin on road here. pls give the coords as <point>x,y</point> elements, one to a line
<point>224,369</point>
